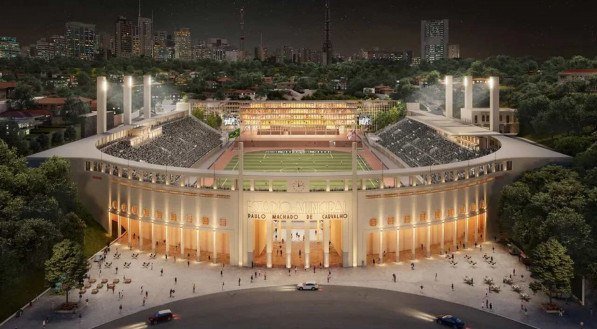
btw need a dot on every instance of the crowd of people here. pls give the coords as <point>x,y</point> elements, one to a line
<point>182,144</point>
<point>419,145</point>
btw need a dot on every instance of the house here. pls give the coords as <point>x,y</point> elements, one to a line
<point>6,89</point>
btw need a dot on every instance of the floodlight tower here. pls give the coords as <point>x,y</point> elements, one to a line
<point>449,83</point>
<point>494,103</point>
<point>127,99</point>
<point>147,96</point>
<point>102,104</point>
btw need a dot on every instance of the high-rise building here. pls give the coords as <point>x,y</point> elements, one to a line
<point>123,38</point>
<point>9,47</point>
<point>160,46</point>
<point>453,51</point>
<point>80,40</point>
<point>145,36</point>
<point>106,45</point>
<point>434,39</point>
<point>59,45</point>
<point>327,43</point>
<point>182,44</point>
<point>44,49</point>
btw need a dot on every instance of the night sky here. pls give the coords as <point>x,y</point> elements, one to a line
<point>482,28</point>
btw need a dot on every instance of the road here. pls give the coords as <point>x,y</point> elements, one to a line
<point>330,307</point>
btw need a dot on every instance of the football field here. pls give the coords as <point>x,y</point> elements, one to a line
<point>298,162</point>
<point>285,161</point>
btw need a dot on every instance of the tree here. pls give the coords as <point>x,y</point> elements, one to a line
<point>67,266</point>
<point>70,134</point>
<point>72,227</point>
<point>22,97</point>
<point>57,138</point>
<point>552,267</point>
<point>44,141</point>
<point>73,108</point>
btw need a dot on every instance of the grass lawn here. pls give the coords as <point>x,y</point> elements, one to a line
<point>31,283</point>
<point>264,161</point>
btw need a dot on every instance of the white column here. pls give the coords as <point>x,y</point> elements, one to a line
<point>397,245</point>
<point>449,82</point>
<point>268,247</point>
<point>182,241</point>
<point>288,245</point>
<point>147,96</point>
<point>214,252</point>
<point>127,99</point>
<point>307,245</point>
<point>442,240</point>
<point>153,237</point>
<point>326,243</point>
<point>468,92</point>
<point>414,246</point>
<point>102,104</point>
<point>494,104</point>
<point>197,248</point>
<point>167,239</point>
<point>140,229</point>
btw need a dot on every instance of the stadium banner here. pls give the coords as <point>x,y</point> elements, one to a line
<point>299,151</point>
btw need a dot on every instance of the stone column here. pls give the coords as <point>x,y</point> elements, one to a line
<point>326,243</point>
<point>449,82</point>
<point>214,252</point>
<point>268,246</point>
<point>153,237</point>
<point>442,248</point>
<point>288,245</point>
<point>468,92</point>
<point>102,104</point>
<point>182,242</point>
<point>494,104</point>
<point>397,245</point>
<point>127,99</point>
<point>381,260</point>
<point>197,246</point>
<point>167,238</point>
<point>140,229</point>
<point>147,96</point>
<point>307,245</point>
<point>414,246</point>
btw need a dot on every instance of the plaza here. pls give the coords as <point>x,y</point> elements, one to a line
<point>435,275</point>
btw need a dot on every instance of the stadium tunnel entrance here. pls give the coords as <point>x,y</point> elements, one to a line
<point>301,244</point>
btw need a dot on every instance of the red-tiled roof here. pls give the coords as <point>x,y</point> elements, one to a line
<point>58,100</point>
<point>9,84</point>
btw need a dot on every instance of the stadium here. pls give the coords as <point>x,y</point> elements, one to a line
<point>304,184</point>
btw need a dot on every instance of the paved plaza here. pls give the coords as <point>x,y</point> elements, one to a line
<point>432,277</point>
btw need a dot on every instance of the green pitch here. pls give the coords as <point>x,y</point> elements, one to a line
<point>265,161</point>
<point>295,162</point>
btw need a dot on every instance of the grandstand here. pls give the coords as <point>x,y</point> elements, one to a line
<point>419,145</point>
<point>182,143</point>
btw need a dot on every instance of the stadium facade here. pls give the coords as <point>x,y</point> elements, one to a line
<point>431,185</point>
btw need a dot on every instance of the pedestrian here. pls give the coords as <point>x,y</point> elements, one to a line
<point>513,271</point>
<point>188,263</point>
<point>421,288</point>
<point>221,273</point>
<point>86,301</point>
<point>141,290</point>
<point>222,286</point>
<point>143,301</point>
<point>175,280</point>
<point>162,272</point>
<point>394,277</point>
<point>152,266</point>
<point>116,269</point>
<point>487,303</point>
<point>435,276</point>
<point>452,287</point>
<point>412,266</point>
<point>264,276</point>
<point>43,324</point>
<point>239,282</point>
<point>251,278</point>
<point>493,249</point>
<point>145,293</point>
<point>193,288</point>
<point>329,278</point>
<point>288,272</point>
<point>490,306</point>
<point>120,309</point>
<point>295,270</point>
<point>526,312</point>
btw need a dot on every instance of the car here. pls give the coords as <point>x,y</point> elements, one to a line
<point>160,316</point>
<point>307,286</point>
<point>450,321</point>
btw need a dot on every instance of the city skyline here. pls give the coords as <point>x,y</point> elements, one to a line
<point>533,28</point>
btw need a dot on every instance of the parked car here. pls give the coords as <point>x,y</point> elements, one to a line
<point>307,286</point>
<point>160,316</point>
<point>450,321</point>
